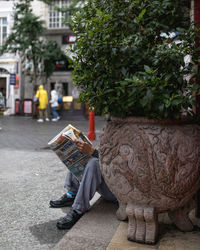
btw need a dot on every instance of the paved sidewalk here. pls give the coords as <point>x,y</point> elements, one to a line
<point>19,132</point>
<point>31,175</point>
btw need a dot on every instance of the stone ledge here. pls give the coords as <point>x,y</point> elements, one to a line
<point>99,229</point>
<point>170,238</point>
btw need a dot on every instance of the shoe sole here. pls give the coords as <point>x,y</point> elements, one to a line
<point>65,227</point>
<point>63,205</point>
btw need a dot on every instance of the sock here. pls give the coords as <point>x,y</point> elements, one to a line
<point>71,195</point>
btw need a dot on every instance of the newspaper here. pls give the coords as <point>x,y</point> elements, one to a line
<point>64,147</point>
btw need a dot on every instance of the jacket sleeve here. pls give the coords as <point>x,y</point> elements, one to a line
<point>51,99</point>
<point>37,94</point>
<point>95,153</point>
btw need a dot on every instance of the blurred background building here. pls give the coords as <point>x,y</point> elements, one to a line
<point>12,75</point>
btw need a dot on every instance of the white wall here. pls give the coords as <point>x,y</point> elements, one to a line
<point>9,61</point>
<point>6,10</point>
<point>40,9</point>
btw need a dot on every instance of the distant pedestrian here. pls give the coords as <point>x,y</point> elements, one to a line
<point>2,101</point>
<point>54,105</point>
<point>43,102</point>
<point>3,91</point>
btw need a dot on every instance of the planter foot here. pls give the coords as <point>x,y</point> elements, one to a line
<point>197,210</point>
<point>121,212</point>
<point>143,223</point>
<point>180,217</point>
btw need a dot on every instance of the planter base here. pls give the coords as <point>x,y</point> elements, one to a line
<point>143,221</point>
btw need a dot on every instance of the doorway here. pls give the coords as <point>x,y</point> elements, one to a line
<point>3,87</point>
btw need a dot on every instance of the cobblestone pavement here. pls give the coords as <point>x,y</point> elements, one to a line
<point>31,175</point>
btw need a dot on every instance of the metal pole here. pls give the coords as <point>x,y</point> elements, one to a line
<point>196,11</point>
<point>91,133</point>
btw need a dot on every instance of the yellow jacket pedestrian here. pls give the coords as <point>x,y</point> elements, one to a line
<point>43,97</point>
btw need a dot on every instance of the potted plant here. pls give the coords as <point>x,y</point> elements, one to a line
<point>130,63</point>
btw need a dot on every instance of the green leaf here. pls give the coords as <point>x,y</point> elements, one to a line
<point>147,69</point>
<point>141,15</point>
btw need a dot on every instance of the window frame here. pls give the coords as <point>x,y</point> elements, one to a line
<point>55,17</point>
<point>3,29</point>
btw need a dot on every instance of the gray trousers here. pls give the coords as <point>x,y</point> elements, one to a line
<point>91,182</point>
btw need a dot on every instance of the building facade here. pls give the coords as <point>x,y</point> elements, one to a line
<point>55,30</point>
<point>10,65</point>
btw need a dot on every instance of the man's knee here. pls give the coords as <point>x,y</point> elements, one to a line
<point>93,165</point>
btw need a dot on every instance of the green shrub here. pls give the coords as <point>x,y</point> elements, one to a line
<point>124,65</point>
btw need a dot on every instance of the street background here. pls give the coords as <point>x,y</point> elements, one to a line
<point>30,176</point>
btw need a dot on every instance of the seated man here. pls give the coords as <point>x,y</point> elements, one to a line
<point>79,194</point>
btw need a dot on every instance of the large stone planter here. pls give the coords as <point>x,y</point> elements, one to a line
<point>151,167</point>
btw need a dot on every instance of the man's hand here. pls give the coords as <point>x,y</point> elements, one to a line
<point>84,147</point>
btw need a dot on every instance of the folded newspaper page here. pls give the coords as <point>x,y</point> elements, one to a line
<point>64,147</point>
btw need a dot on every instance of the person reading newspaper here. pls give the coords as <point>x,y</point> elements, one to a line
<point>79,194</point>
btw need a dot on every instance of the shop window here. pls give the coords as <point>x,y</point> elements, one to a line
<point>62,65</point>
<point>77,105</point>
<point>65,88</point>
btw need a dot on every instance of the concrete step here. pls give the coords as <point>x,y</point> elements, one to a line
<point>94,230</point>
<point>100,229</point>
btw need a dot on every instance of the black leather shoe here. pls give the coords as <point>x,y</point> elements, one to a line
<point>69,220</point>
<point>64,201</point>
